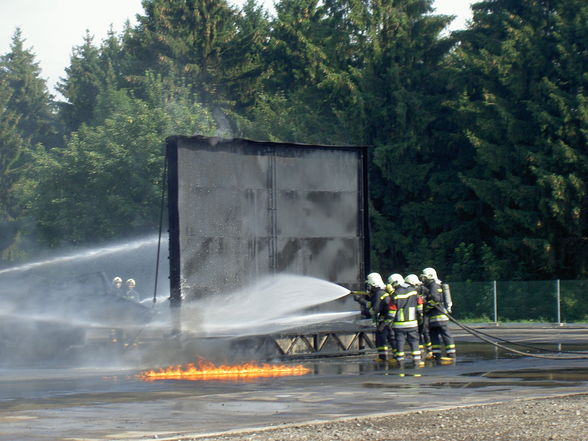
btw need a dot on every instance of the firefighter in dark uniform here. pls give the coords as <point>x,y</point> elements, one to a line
<point>116,334</point>
<point>424,335</point>
<point>131,293</point>
<point>391,336</point>
<point>437,304</point>
<point>406,311</point>
<point>374,302</point>
<point>117,286</point>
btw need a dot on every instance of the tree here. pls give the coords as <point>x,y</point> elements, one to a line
<point>106,182</point>
<point>185,40</point>
<point>29,98</point>
<point>525,107</point>
<point>244,60</point>
<point>84,81</point>
<point>308,91</point>
<point>11,150</point>
<point>403,83</point>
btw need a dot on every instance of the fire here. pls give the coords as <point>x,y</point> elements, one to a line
<point>208,371</point>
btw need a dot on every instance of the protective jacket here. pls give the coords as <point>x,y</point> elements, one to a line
<point>132,295</point>
<point>435,304</point>
<point>406,307</point>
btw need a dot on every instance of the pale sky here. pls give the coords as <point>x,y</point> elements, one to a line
<point>51,28</point>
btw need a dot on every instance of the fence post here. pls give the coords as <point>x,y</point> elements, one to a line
<point>495,304</point>
<point>558,292</point>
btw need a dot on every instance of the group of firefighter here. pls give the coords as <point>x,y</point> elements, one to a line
<point>130,293</point>
<point>409,310</point>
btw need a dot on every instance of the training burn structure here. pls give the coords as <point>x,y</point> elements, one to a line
<point>242,209</point>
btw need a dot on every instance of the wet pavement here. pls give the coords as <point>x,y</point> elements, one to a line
<point>113,404</point>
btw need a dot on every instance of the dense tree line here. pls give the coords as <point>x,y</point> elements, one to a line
<point>478,158</point>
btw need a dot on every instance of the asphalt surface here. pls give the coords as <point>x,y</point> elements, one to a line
<point>108,403</point>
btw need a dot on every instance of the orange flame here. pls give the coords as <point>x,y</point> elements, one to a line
<point>208,371</point>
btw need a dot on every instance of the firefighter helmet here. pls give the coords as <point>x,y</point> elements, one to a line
<point>413,280</point>
<point>429,274</point>
<point>395,279</point>
<point>375,280</point>
<point>131,283</point>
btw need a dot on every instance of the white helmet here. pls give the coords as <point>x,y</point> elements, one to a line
<point>375,280</point>
<point>117,281</point>
<point>413,280</point>
<point>429,274</point>
<point>395,279</point>
<point>131,283</point>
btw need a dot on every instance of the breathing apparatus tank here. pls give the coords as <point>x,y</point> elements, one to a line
<point>447,297</point>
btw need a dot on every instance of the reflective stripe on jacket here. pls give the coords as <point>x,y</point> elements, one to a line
<point>435,304</point>
<point>406,308</point>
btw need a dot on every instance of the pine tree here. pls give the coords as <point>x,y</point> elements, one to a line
<point>85,79</point>
<point>244,62</point>
<point>413,181</point>
<point>29,97</point>
<point>525,105</point>
<point>308,90</point>
<point>185,40</point>
<point>12,148</point>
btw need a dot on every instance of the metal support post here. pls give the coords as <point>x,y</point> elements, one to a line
<point>495,304</point>
<point>558,292</point>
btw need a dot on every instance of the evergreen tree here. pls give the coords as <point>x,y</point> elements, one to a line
<point>414,182</point>
<point>185,40</point>
<point>525,108</point>
<point>308,91</point>
<point>113,61</point>
<point>114,87</point>
<point>244,59</point>
<point>85,79</point>
<point>29,97</point>
<point>11,150</point>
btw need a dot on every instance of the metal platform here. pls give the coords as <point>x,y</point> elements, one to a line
<point>322,341</point>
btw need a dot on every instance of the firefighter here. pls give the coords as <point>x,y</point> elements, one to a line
<point>424,335</point>
<point>131,294</point>
<point>116,334</point>
<point>390,334</point>
<point>376,304</point>
<point>363,298</point>
<point>406,311</point>
<point>117,285</point>
<point>438,304</point>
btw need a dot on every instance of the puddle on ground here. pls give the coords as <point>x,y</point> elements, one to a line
<point>390,385</point>
<point>468,351</point>
<point>505,385</point>
<point>564,374</point>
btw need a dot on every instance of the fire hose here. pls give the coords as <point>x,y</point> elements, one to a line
<point>567,355</point>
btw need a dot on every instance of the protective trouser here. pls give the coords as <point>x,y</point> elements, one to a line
<point>410,335</point>
<point>382,338</point>
<point>424,335</point>
<point>441,339</point>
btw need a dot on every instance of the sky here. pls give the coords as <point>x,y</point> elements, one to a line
<point>52,28</point>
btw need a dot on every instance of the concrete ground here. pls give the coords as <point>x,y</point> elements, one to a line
<point>108,403</point>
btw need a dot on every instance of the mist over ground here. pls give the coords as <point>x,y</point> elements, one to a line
<point>63,310</point>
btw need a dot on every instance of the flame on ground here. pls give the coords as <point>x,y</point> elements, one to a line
<point>208,371</point>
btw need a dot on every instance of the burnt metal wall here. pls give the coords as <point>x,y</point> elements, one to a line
<point>242,209</point>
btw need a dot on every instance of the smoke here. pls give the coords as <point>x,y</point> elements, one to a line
<point>223,124</point>
<point>63,311</point>
<point>59,310</point>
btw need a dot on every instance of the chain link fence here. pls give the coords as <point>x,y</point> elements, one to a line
<point>550,301</point>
